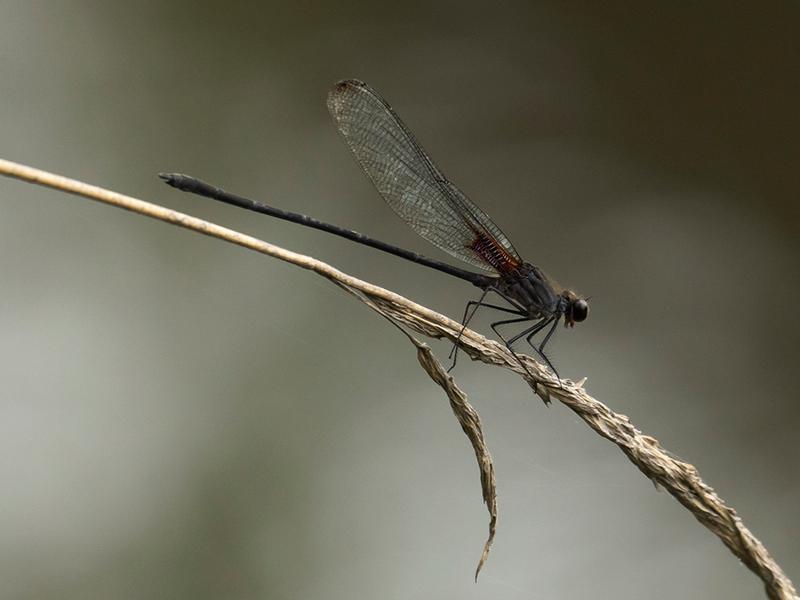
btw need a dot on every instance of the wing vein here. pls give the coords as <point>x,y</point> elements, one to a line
<point>411,184</point>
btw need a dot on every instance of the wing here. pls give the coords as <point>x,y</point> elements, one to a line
<point>411,184</point>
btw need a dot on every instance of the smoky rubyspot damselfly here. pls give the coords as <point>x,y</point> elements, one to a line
<point>414,187</point>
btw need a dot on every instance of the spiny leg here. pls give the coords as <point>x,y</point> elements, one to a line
<point>549,334</point>
<point>496,324</point>
<point>475,304</point>
<point>494,327</point>
<point>531,331</point>
<point>540,349</point>
<point>464,322</point>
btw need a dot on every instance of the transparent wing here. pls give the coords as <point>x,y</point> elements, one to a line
<point>411,184</point>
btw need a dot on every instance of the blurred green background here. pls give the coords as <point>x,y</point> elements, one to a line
<point>185,419</point>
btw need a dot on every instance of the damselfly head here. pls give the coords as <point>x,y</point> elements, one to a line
<point>577,309</point>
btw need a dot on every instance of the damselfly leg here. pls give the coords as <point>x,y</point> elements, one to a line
<point>528,334</point>
<point>468,315</point>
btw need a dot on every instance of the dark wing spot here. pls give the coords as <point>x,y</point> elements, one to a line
<point>343,85</point>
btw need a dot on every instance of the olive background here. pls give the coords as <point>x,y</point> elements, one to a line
<point>181,418</point>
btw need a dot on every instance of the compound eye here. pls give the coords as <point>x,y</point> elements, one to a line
<point>580,310</point>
